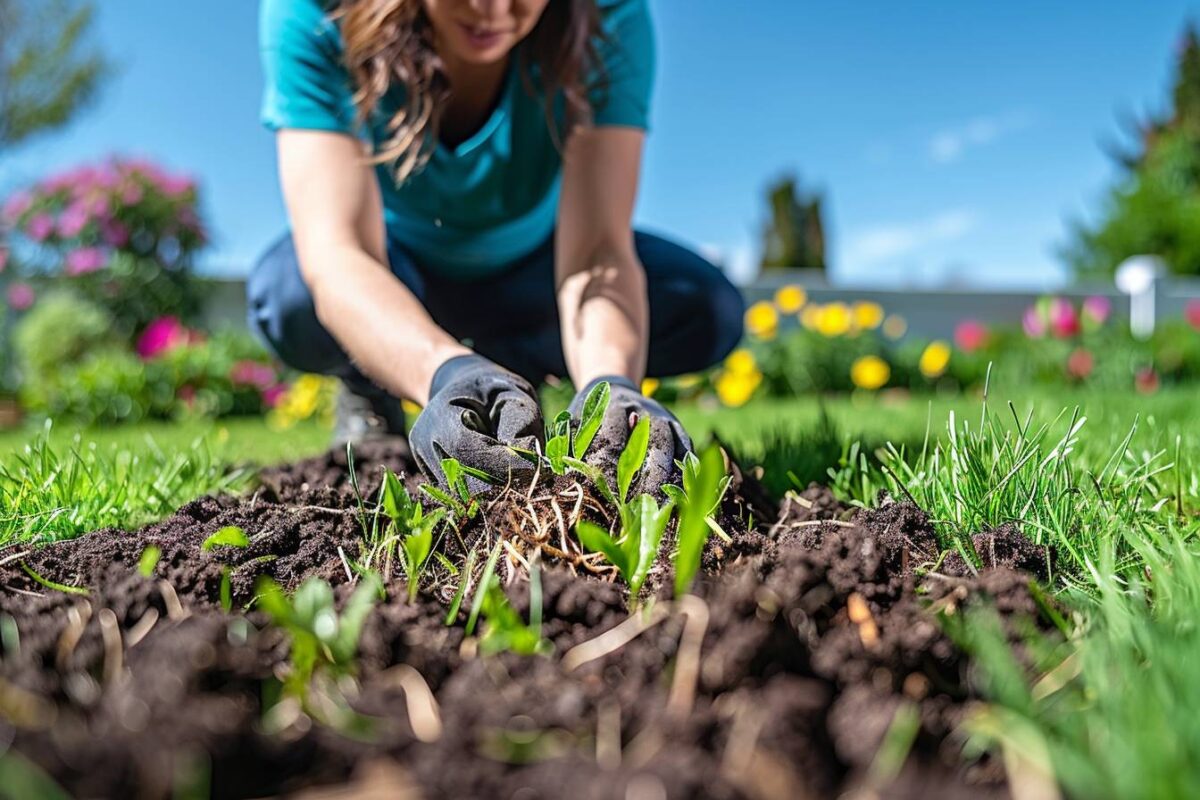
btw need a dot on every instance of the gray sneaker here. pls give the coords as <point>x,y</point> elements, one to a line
<point>361,418</point>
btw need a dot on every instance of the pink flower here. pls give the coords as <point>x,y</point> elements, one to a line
<point>73,220</point>
<point>17,205</point>
<point>131,195</point>
<point>1146,380</point>
<point>970,335</point>
<point>84,260</point>
<point>1064,322</point>
<point>252,373</point>
<point>273,394</point>
<point>39,227</point>
<point>160,336</point>
<point>115,233</point>
<point>1033,323</point>
<point>175,185</point>
<point>1080,364</point>
<point>20,296</point>
<point>1191,313</point>
<point>1096,310</point>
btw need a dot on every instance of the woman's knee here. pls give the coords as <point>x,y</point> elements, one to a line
<point>696,312</point>
<point>280,309</point>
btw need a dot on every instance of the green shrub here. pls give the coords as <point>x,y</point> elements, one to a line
<point>58,331</point>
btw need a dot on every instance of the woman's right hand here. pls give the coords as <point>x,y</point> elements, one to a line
<point>477,411</point>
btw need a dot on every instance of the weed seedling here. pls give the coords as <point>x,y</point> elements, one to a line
<point>458,499</point>
<point>704,485</point>
<point>148,560</point>
<point>562,452</point>
<point>229,536</point>
<point>412,526</point>
<point>643,523</point>
<point>504,630</point>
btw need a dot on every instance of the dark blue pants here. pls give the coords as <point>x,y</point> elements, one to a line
<point>510,317</point>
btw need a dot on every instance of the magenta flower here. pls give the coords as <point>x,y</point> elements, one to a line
<point>1080,364</point>
<point>1064,322</point>
<point>84,260</point>
<point>115,233</point>
<point>252,373</point>
<point>970,335</point>
<point>20,296</point>
<point>273,394</point>
<point>1096,310</point>
<point>39,227</point>
<point>160,336</point>
<point>1191,313</point>
<point>73,220</point>
<point>17,205</point>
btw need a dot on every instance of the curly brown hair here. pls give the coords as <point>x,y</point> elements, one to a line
<point>390,43</point>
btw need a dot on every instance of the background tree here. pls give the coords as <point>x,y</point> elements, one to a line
<point>1155,206</point>
<point>794,235</point>
<point>48,71</point>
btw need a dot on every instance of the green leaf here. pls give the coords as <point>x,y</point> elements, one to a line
<point>595,476</point>
<point>441,496</point>
<point>312,605</point>
<point>461,591</point>
<point>273,601</point>
<point>632,457</point>
<point>397,503</point>
<point>594,407</point>
<point>229,536</point>
<point>650,524</point>
<point>703,493</point>
<point>489,569</point>
<point>556,451</point>
<point>354,617</point>
<point>595,538</point>
<point>226,590</point>
<point>148,560</point>
<point>475,472</point>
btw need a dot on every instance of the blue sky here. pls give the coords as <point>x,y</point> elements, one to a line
<point>955,140</point>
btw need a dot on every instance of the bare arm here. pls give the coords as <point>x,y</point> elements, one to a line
<point>601,284</point>
<point>336,216</point>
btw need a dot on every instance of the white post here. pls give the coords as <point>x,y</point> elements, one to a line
<point>1136,277</point>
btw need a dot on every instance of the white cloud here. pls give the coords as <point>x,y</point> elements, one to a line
<point>947,146</point>
<point>895,240</point>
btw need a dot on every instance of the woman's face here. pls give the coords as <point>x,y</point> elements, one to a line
<point>481,31</point>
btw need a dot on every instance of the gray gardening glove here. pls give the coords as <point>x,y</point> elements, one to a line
<point>476,410</point>
<point>626,405</point>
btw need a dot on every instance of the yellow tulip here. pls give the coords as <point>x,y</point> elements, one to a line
<point>740,362</point>
<point>762,320</point>
<point>809,317</point>
<point>894,326</point>
<point>734,390</point>
<point>650,386</point>
<point>870,372</point>
<point>935,359</point>
<point>834,320</point>
<point>867,315</point>
<point>790,299</point>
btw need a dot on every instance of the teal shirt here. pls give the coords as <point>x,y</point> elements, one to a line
<point>476,207</point>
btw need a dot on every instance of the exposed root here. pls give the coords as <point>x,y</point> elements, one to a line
<point>110,631</point>
<point>423,714</point>
<point>687,664</point>
<point>614,639</point>
<point>77,620</point>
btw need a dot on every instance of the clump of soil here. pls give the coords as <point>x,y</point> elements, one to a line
<point>780,678</point>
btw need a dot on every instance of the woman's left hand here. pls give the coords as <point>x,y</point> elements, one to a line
<point>668,440</point>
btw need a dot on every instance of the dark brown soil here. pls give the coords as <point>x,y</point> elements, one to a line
<point>779,679</point>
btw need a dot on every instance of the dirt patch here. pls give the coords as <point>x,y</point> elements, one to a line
<point>808,639</point>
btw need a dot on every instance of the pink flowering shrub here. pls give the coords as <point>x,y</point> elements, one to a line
<point>124,231</point>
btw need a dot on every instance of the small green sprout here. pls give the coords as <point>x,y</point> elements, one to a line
<point>49,584</point>
<point>562,452</point>
<point>149,560</point>
<point>461,591</point>
<point>633,552</point>
<point>226,590</point>
<point>704,485</point>
<point>414,527</point>
<point>322,641</point>
<point>229,536</point>
<point>504,630</point>
<point>458,500</point>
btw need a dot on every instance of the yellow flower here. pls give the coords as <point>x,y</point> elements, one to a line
<point>834,320</point>
<point>870,372</point>
<point>809,317</point>
<point>740,362</point>
<point>410,408</point>
<point>308,396</point>
<point>935,359</point>
<point>790,299</point>
<point>868,315</point>
<point>734,389</point>
<point>650,386</point>
<point>762,320</point>
<point>894,326</point>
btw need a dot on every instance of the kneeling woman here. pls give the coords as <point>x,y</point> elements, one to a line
<point>460,178</point>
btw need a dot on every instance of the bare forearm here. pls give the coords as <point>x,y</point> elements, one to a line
<point>605,317</point>
<point>387,332</point>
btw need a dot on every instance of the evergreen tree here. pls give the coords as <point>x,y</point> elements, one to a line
<point>794,235</point>
<point>47,71</point>
<point>1155,207</point>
